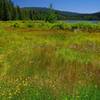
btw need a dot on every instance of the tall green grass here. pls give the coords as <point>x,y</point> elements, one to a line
<point>55,64</point>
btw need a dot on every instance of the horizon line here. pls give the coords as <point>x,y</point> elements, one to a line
<point>61,10</point>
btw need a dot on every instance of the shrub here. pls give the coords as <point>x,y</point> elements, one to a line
<point>58,26</point>
<point>29,25</point>
<point>15,25</point>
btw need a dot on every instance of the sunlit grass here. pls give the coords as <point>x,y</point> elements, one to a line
<point>42,64</point>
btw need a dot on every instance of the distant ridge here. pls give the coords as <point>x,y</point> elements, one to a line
<point>68,14</point>
<point>46,9</point>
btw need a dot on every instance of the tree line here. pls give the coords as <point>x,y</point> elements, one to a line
<point>8,11</point>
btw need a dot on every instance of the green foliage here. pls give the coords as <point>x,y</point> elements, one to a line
<point>30,25</point>
<point>77,27</point>
<point>57,26</point>
<point>18,13</point>
<point>51,16</point>
<point>10,12</point>
<point>15,25</point>
<point>90,27</point>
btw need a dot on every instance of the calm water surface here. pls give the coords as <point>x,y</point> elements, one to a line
<point>78,21</point>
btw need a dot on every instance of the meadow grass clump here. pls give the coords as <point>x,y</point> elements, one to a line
<point>86,27</point>
<point>57,26</point>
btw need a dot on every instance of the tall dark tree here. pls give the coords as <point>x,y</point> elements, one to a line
<point>51,15</point>
<point>18,13</point>
<point>12,10</point>
<point>1,9</point>
<point>6,11</point>
<point>31,14</point>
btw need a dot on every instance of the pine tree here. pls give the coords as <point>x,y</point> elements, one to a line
<point>18,13</point>
<point>12,10</point>
<point>1,9</point>
<point>51,16</point>
<point>5,11</point>
<point>31,14</point>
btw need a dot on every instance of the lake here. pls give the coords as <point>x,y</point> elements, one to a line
<point>78,21</point>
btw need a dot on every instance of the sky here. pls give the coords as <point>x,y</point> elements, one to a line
<point>81,6</point>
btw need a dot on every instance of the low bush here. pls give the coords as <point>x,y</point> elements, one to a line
<point>29,25</point>
<point>57,26</point>
<point>16,25</point>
